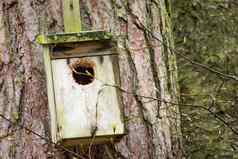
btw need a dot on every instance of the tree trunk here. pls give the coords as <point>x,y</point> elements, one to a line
<point>147,67</point>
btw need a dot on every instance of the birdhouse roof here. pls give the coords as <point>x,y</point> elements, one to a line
<point>83,36</point>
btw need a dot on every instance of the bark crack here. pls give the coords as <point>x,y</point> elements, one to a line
<point>146,123</point>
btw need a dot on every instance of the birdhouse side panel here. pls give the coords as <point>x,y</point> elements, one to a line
<point>50,92</point>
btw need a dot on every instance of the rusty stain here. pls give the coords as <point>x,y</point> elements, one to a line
<point>83,71</point>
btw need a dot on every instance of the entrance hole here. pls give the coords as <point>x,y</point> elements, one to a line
<point>83,71</point>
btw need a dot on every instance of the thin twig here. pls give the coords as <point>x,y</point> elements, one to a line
<point>42,137</point>
<point>142,27</point>
<point>92,141</point>
<point>168,102</point>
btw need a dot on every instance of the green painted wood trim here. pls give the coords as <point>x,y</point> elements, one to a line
<point>73,37</point>
<point>50,93</point>
<point>71,13</point>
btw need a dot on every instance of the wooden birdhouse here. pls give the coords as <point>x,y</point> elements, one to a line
<point>82,82</point>
<point>82,79</point>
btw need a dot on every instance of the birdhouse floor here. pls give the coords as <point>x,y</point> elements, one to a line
<point>91,140</point>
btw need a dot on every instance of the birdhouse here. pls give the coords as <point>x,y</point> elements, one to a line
<point>82,82</point>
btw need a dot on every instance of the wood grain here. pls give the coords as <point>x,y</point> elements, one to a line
<point>82,49</point>
<point>82,108</point>
<point>71,13</point>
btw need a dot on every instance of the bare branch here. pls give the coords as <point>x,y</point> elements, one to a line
<point>42,137</point>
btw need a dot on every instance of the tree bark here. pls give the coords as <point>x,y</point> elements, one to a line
<point>147,67</point>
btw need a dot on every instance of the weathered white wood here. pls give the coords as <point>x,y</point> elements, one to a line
<point>81,108</point>
<point>50,92</point>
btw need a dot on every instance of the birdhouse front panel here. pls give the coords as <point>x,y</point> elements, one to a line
<point>82,82</point>
<point>86,97</point>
